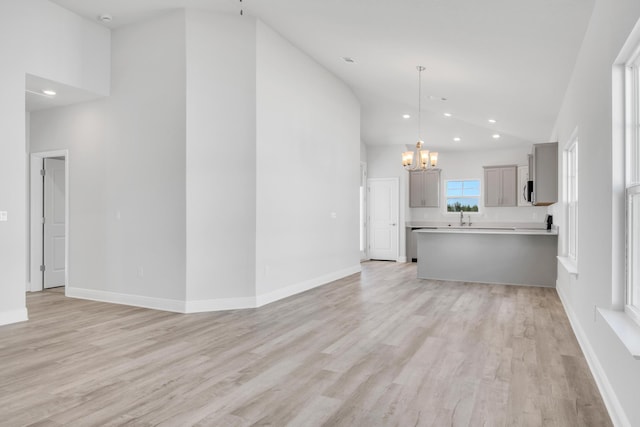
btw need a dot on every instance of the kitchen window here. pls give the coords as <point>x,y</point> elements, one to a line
<point>463,195</point>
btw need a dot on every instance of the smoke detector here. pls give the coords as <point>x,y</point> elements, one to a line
<point>105,17</point>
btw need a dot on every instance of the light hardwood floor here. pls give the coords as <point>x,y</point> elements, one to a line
<point>380,348</point>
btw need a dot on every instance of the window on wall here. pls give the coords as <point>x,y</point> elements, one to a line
<point>632,194</point>
<point>571,198</point>
<point>463,195</point>
<point>625,175</point>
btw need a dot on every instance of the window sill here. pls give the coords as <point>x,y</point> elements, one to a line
<point>569,264</point>
<point>625,328</point>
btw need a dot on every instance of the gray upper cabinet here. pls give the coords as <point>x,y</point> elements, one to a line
<point>544,173</point>
<point>424,188</point>
<point>500,184</point>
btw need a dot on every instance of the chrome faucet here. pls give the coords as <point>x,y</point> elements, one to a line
<point>462,219</point>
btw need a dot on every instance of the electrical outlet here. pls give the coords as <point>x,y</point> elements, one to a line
<point>3,215</point>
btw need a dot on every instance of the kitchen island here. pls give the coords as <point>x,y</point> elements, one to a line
<point>507,255</point>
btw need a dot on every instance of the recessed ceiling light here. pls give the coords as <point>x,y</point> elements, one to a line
<point>447,114</point>
<point>492,120</point>
<point>406,116</point>
<point>496,135</point>
<point>457,139</point>
<point>49,92</point>
<point>348,59</point>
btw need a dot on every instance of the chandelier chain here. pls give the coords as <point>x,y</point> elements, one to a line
<point>419,102</point>
<point>423,157</point>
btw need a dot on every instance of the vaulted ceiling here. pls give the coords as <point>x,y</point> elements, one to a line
<point>507,60</point>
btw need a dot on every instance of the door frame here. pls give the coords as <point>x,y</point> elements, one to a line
<point>36,237</point>
<point>396,181</point>
<point>364,182</point>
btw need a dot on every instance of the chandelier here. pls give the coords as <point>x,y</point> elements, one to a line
<point>424,158</point>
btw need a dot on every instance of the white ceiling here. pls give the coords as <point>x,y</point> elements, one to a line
<point>65,95</point>
<point>510,60</point>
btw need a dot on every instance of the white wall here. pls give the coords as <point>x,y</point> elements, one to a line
<point>57,45</point>
<point>470,165</point>
<point>308,158</point>
<point>127,169</point>
<point>214,168</point>
<point>363,152</point>
<point>588,106</point>
<point>39,38</point>
<point>385,162</point>
<point>221,156</point>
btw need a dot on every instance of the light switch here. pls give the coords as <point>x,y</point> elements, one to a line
<point>333,215</point>
<point>3,215</point>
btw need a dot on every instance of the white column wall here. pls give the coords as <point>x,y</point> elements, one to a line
<point>308,157</point>
<point>221,160</point>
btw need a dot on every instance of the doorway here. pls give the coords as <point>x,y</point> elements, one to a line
<point>49,219</point>
<point>383,221</point>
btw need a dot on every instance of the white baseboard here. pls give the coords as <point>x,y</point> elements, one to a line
<point>305,285</point>
<point>126,299</point>
<point>219,304</point>
<point>616,412</point>
<point>13,316</point>
<point>402,259</point>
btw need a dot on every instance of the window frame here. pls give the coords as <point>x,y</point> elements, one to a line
<point>571,200</point>
<point>446,196</point>
<point>632,178</point>
<point>631,291</point>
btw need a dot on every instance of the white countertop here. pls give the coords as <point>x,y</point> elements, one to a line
<point>488,230</point>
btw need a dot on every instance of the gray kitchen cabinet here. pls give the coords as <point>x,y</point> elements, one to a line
<point>424,188</point>
<point>500,186</point>
<point>544,174</point>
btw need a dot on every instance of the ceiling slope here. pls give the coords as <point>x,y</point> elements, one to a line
<point>510,60</point>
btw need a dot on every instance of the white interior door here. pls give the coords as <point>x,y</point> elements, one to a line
<point>383,218</point>
<point>54,223</point>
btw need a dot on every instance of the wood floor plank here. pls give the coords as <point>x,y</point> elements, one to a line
<point>379,348</point>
